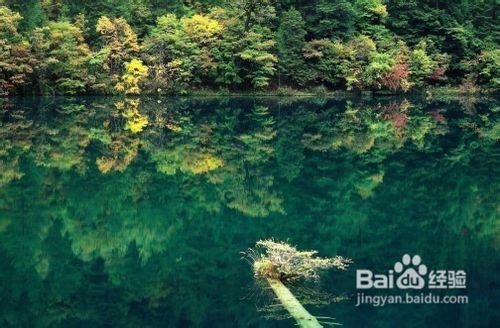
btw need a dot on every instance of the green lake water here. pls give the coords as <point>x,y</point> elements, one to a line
<point>134,212</point>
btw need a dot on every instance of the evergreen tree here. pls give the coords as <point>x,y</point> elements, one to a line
<point>290,40</point>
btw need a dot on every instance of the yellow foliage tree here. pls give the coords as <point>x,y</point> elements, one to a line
<point>201,28</point>
<point>16,61</point>
<point>119,39</point>
<point>135,72</point>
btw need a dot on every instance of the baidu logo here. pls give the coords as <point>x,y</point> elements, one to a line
<point>410,273</point>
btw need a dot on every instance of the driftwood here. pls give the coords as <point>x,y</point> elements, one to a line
<point>292,305</point>
<point>279,262</point>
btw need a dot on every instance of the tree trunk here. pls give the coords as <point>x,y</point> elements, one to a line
<point>292,305</point>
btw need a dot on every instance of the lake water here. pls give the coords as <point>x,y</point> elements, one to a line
<point>134,212</point>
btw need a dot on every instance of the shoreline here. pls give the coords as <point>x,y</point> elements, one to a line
<point>427,92</point>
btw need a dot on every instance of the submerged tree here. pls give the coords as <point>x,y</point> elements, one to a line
<point>278,262</point>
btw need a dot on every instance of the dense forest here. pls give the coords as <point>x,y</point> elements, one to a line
<point>177,47</point>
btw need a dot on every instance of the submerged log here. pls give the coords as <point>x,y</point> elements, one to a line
<point>292,305</point>
<point>278,262</point>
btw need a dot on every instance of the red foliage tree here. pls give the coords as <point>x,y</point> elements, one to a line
<point>397,79</point>
<point>438,74</point>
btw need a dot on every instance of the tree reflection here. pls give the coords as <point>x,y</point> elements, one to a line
<point>147,203</point>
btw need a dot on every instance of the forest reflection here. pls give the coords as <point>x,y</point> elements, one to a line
<point>150,200</point>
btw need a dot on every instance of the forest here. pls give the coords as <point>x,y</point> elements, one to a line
<point>178,47</point>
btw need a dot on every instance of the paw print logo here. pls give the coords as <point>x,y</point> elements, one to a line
<point>411,271</point>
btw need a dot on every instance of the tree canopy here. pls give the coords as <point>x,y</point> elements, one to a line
<point>68,47</point>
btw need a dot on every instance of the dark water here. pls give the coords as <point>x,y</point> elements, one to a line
<point>133,213</point>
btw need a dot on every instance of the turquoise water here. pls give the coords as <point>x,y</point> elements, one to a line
<point>134,213</point>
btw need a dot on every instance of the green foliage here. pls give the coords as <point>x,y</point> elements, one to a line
<point>326,60</point>
<point>458,28</point>
<point>31,11</point>
<point>16,60</point>
<point>259,64</point>
<point>169,52</point>
<point>380,65</point>
<point>489,68</point>
<point>421,64</point>
<point>485,69</point>
<point>290,39</point>
<point>344,19</point>
<point>62,56</point>
<point>248,44</point>
<point>253,12</point>
<point>119,42</point>
<point>333,19</point>
<point>360,54</point>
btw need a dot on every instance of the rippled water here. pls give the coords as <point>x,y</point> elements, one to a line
<point>133,213</point>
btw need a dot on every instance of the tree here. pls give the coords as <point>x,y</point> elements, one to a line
<point>327,60</point>
<point>398,78</point>
<point>31,11</point>
<point>226,70</point>
<point>290,40</point>
<point>135,73</point>
<point>259,64</point>
<point>372,15</point>
<point>380,65</point>
<point>201,29</point>
<point>242,44</point>
<point>253,12</point>
<point>421,64</point>
<point>52,8</point>
<point>278,262</point>
<point>172,54</point>
<point>138,13</point>
<point>489,68</point>
<point>484,69</point>
<point>333,19</point>
<point>62,56</point>
<point>16,60</point>
<point>205,33</point>
<point>119,42</point>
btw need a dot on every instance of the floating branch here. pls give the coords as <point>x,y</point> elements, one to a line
<point>278,262</point>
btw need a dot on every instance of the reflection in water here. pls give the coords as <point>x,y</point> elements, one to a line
<point>133,212</point>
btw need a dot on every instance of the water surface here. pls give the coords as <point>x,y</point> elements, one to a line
<point>133,212</point>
